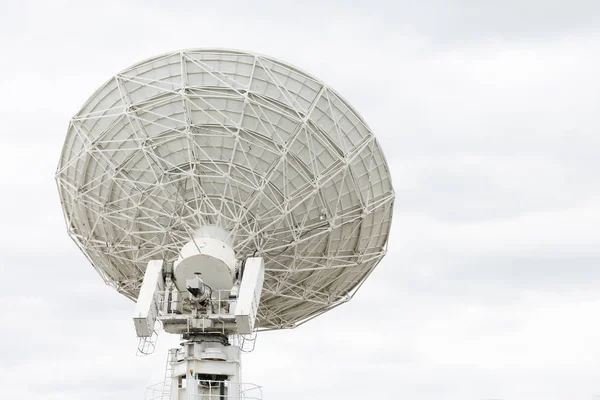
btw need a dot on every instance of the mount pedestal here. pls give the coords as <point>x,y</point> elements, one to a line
<point>207,298</point>
<point>206,367</point>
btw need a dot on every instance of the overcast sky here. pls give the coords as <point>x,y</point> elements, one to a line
<point>488,114</point>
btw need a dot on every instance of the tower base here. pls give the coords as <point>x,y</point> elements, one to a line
<point>205,367</point>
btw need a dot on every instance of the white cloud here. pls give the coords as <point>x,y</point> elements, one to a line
<point>487,116</point>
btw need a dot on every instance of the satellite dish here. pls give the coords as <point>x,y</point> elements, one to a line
<point>232,154</point>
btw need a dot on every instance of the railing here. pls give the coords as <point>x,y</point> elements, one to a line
<point>155,392</point>
<point>218,303</point>
<point>210,390</point>
<point>181,313</point>
<point>147,345</point>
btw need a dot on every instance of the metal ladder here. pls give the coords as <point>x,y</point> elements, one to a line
<point>166,389</point>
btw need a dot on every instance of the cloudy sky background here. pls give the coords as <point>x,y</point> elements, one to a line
<point>487,112</point>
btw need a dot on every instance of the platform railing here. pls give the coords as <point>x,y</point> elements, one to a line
<point>219,302</point>
<point>156,392</point>
<point>211,390</point>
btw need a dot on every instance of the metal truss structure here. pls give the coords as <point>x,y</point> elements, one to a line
<point>237,140</point>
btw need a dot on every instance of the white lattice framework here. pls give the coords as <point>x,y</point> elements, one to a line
<point>238,140</point>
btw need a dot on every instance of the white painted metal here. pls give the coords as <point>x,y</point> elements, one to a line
<point>168,378</point>
<point>248,299</point>
<point>213,259</point>
<point>146,306</point>
<point>247,391</point>
<point>207,365</point>
<point>206,361</point>
<point>223,312</point>
<point>203,371</point>
<point>240,141</point>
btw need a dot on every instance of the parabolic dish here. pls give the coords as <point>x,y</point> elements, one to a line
<point>238,140</point>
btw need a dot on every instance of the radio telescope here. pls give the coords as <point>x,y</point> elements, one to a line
<point>226,193</point>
